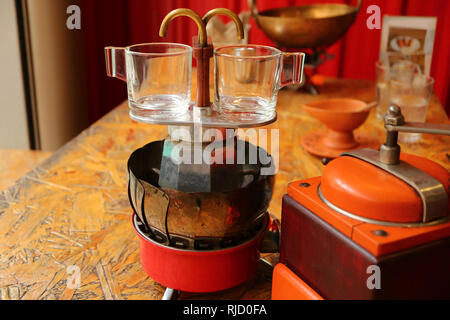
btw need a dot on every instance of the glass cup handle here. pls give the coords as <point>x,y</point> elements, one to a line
<point>115,63</point>
<point>292,68</point>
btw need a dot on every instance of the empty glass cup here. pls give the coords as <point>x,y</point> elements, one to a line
<point>401,71</point>
<point>248,78</point>
<point>158,77</point>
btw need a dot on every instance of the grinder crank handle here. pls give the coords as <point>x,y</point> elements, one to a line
<point>420,127</point>
<point>394,122</point>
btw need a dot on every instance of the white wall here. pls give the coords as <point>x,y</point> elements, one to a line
<point>13,122</point>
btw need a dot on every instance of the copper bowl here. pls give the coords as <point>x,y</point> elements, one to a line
<point>309,26</point>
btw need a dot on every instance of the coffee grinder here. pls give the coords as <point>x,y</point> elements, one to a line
<point>375,225</point>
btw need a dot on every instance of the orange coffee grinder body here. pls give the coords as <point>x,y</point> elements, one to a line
<point>374,226</point>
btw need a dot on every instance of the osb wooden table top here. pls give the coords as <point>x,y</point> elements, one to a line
<point>15,163</point>
<point>73,210</point>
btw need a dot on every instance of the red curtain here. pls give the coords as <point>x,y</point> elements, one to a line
<point>125,22</point>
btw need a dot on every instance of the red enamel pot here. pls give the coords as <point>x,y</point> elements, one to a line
<point>199,271</point>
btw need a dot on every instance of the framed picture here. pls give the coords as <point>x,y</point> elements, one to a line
<point>409,38</point>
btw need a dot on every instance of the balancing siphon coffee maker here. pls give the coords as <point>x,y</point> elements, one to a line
<point>200,223</point>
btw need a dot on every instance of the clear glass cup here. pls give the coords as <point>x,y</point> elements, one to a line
<point>248,78</point>
<point>158,77</point>
<point>413,98</point>
<point>400,70</point>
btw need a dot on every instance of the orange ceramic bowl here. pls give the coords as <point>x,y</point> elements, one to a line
<point>339,114</point>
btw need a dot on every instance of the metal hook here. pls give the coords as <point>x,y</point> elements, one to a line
<point>228,13</point>
<point>188,13</point>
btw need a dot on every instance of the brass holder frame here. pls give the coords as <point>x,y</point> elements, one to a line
<point>202,114</point>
